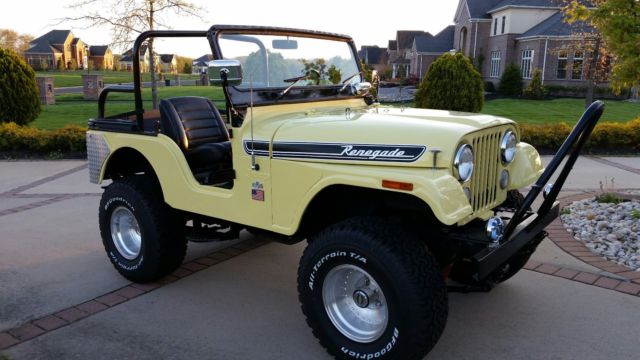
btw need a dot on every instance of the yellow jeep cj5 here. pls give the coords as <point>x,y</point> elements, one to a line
<point>392,202</point>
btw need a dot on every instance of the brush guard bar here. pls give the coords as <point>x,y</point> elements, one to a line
<point>524,226</point>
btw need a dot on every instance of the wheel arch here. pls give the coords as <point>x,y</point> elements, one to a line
<point>339,202</point>
<point>127,161</point>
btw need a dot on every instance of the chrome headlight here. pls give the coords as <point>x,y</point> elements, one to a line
<point>508,147</point>
<point>463,163</point>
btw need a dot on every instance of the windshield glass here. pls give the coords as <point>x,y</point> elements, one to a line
<point>275,61</point>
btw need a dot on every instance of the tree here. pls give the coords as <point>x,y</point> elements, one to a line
<point>129,18</point>
<point>452,83</point>
<point>10,39</point>
<point>511,81</point>
<point>19,102</point>
<point>183,64</point>
<point>617,23</point>
<point>535,90</point>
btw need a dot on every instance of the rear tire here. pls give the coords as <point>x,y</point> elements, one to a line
<point>143,237</point>
<point>398,308</point>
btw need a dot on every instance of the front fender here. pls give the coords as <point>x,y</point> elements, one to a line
<point>440,191</point>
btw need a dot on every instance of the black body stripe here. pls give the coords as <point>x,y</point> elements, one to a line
<point>338,151</point>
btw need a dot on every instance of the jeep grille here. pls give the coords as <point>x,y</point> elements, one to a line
<point>484,182</point>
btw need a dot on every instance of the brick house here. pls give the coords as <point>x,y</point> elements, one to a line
<point>495,33</point>
<point>399,52</point>
<point>201,64</point>
<point>101,56</point>
<point>427,48</point>
<point>126,61</point>
<point>56,46</point>
<point>169,63</point>
<point>373,56</point>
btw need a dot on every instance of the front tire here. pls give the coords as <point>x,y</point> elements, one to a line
<point>143,237</point>
<point>369,289</point>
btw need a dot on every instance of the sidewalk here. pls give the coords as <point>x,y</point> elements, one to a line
<point>61,298</point>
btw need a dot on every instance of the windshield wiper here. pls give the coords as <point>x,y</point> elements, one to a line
<point>295,80</point>
<point>346,81</point>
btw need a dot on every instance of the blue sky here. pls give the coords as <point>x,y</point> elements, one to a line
<point>369,23</point>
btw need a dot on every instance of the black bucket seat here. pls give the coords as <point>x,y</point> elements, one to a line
<point>195,124</point>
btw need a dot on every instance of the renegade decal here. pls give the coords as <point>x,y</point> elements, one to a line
<point>336,151</point>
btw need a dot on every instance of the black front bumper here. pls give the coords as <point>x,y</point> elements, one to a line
<point>525,234</point>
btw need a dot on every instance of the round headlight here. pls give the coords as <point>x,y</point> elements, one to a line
<point>463,163</point>
<point>508,147</point>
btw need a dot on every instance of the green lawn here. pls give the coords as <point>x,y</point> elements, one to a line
<point>73,77</point>
<point>558,110</point>
<point>72,109</point>
<point>553,111</point>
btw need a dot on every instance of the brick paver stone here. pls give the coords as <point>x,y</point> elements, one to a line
<point>50,322</point>
<point>26,332</point>
<point>7,340</point>
<point>111,299</point>
<point>566,273</point>
<point>586,278</point>
<point>194,266</point>
<point>607,283</point>
<point>129,292</point>
<point>92,307</point>
<point>629,288</point>
<point>71,314</point>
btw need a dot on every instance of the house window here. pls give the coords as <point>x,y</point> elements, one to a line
<point>561,73</point>
<point>526,64</point>
<point>578,61</point>
<point>504,22</point>
<point>495,64</point>
<point>495,26</point>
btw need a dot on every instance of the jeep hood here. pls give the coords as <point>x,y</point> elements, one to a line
<point>378,136</point>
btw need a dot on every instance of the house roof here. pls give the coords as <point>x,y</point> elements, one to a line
<point>405,38</point>
<point>166,58</point>
<point>98,50</point>
<point>53,37</point>
<point>202,60</point>
<point>525,3</point>
<point>440,43</point>
<point>479,9</point>
<point>372,54</point>
<point>393,45</point>
<point>42,48</point>
<point>143,52</point>
<point>556,26</point>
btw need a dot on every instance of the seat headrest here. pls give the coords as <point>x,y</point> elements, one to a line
<point>191,121</point>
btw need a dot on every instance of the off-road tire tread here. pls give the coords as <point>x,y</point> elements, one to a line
<point>399,248</point>
<point>166,222</point>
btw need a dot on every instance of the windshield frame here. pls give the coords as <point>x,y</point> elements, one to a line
<point>268,96</point>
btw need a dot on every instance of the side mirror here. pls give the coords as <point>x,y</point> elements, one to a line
<point>225,72</point>
<point>362,88</point>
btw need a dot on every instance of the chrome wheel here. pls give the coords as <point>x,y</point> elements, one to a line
<point>355,303</point>
<point>125,233</point>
